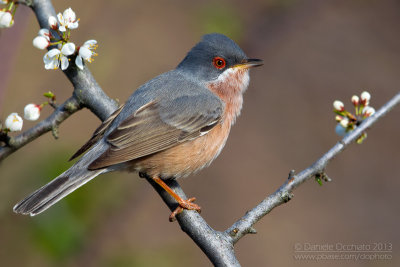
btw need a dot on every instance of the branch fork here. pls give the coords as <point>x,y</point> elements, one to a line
<point>218,246</point>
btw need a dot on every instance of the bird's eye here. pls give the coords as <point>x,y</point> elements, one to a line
<point>219,62</point>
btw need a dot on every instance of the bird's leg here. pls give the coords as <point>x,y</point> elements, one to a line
<point>183,204</point>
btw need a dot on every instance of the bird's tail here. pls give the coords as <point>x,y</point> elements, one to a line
<point>48,195</point>
<point>65,183</point>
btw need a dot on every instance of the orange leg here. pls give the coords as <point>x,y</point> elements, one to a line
<point>183,204</point>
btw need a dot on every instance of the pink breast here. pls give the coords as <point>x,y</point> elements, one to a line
<point>193,155</point>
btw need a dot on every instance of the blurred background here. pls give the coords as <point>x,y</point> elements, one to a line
<point>314,53</point>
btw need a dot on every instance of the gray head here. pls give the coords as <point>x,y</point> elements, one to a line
<point>214,54</point>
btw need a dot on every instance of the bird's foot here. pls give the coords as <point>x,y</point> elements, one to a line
<point>184,204</point>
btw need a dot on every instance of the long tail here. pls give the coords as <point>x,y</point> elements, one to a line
<point>65,183</point>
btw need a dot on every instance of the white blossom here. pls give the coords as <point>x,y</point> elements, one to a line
<point>54,57</point>
<point>86,52</point>
<point>13,122</point>
<point>32,112</point>
<point>6,19</point>
<point>67,20</point>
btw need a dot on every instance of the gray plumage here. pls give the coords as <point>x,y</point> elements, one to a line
<point>173,107</point>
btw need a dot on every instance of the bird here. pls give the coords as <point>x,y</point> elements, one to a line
<point>170,127</point>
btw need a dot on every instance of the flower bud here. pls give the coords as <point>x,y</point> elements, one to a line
<point>355,100</point>
<point>368,111</point>
<point>338,105</point>
<point>53,22</point>
<point>365,97</point>
<point>338,118</point>
<point>44,33</point>
<point>13,122</point>
<point>344,123</point>
<point>32,112</point>
<point>40,42</point>
<point>6,19</point>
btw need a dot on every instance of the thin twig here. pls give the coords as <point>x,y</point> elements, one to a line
<point>49,124</point>
<point>244,225</point>
<point>218,246</point>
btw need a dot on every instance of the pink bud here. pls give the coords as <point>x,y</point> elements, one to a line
<point>365,97</point>
<point>368,111</point>
<point>355,100</point>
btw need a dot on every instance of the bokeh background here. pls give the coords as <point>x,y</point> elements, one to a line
<point>314,52</point>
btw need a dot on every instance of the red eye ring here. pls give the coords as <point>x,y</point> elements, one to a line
<point>219,62</point>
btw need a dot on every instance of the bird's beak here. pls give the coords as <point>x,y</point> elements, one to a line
<point>249,63</point>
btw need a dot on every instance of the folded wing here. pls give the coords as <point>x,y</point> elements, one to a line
<point>159,125</point>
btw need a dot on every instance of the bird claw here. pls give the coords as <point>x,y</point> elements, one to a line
<point>184,204</point>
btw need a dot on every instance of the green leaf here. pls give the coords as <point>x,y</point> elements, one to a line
<point>318,179</point>
<point>49,95</point>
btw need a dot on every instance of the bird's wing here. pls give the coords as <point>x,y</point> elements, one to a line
<point>159,125</point>
<point>98,133</point>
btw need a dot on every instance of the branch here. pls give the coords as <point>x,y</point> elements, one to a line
<point>245,224</point>
<point>86,89</point>
<point>213,243</point>
<point>50,124</point>
<point>87,92</point>
<point>218,246</point>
